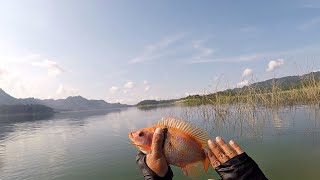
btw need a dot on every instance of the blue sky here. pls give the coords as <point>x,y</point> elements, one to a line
<point>127,51</point>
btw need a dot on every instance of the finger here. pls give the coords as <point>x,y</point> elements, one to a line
<point>227,150</point>
<point>236,147</point>
<point>156,147</point>
<point>217,151</point>
<point>213,159</point>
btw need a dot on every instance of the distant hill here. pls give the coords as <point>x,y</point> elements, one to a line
<point>21,109</point>
<point>80,103</point>
<point>72,103</point>
<point>6,99</point>
<point>155,102</point>
<point>284,83</point>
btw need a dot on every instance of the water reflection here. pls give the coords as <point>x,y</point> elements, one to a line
<point>9,124</point>
<point>235,122</point>
<point>89,145</point>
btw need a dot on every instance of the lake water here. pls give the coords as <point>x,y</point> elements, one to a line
<point>284,142</point>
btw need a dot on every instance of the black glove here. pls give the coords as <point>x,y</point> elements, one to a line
<point>241,167</point>
<point>147,173</point>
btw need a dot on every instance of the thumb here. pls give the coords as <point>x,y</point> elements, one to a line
<point>156,147</point>
<point>210,179</point>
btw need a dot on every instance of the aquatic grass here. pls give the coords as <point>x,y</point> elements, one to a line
<point>307,92</point>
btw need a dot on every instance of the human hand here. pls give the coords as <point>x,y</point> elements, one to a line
<point>231,163</point>
<point>156,160</point>
<point>220,152</point>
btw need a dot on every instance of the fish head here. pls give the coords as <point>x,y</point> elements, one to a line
<point>142,138</point>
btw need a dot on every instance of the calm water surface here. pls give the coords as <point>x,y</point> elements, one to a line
<point>284,142</point>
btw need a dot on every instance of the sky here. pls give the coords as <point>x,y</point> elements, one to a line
<point>128,51</point>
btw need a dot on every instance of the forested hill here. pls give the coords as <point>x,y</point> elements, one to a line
<point>72,103</point>
<point>25,109</point>
<point>155,102</point>
<point>283,83</point>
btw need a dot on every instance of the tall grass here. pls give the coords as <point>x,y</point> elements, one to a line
<point>306,92</point>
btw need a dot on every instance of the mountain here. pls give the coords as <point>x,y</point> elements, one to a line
<point>155,102</point>
<point>284,83</point>
<point>6,98</point>
<point>80,103</point>
<point>71,103</point>
<point>30,109</point>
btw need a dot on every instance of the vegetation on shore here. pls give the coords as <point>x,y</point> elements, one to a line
<point>306,91</point>
<point>25,109</point>
<point>286,91</point>
<point>151,103</point>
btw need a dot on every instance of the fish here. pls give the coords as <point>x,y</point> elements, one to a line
<point>183,146</point>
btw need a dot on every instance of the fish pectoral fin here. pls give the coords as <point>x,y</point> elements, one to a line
<point>193,170</point>
<point>206,164</point>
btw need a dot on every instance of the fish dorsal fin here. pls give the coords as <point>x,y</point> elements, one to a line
<point>186,127</point>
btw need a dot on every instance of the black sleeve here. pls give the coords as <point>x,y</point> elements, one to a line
<point>241,167</point>
<point>147,173</point>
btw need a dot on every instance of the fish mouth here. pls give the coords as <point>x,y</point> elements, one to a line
<point>139,146</point>
<point>131,136</point>
<point>132,139</point>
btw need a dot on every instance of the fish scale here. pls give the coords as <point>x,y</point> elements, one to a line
<point>183,145</point>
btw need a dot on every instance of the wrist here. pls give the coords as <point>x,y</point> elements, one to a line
<point>241,167</point>
<point>147,172</point>
<point>157,165</point>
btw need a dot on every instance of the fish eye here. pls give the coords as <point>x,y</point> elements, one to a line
<point>141,134</point>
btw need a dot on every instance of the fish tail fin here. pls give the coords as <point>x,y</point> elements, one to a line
<point>206,164</point>
<point>193,170</point>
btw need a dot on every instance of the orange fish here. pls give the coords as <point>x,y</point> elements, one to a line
<point>183,145</point>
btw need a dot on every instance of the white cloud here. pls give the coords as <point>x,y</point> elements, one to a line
<point>53,68</point>
<point>63,92</point>
<point>23,86</point>
<point>21,76</point>
<point>243,83</point>
<point>241,58</point>
<point>156,50</point>
<point>3,73</point>
<point>114,89</point>
<point>147,88</point>
<point>248,29</point>
<point>146,85</point>
<point>129,85</point>
<point>311,4</point>
<point>201,52</point>
<point>247,72</point>
<point>309,24</point>
<point>258,55</point>
<point>275,64</point>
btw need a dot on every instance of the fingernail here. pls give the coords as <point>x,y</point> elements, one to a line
<point>218,138</point>
<point>231,142</point>
<point>213,144</point>
<point>158,131</point>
